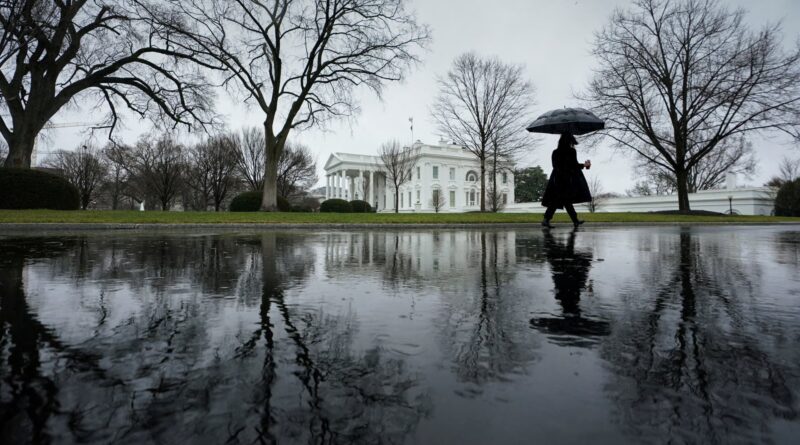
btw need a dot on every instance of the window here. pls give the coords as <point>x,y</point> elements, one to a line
<point>452,197</point>
<point>505,198</point>
<point>410,204</point>
<point>401,201</point>
<point>472,176</point>
<point>436,197</point>
<point>419,175</point>
<point>472,198</point>
<point>452,174</point>
<point>435,172</point>
<point>417,195</point>
<point>505,178</point>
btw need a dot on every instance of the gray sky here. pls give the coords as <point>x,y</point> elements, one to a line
<point>552,39</point>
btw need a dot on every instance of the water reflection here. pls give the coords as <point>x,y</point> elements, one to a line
<point>570,270</point>
<point>699,363</point>
<point>400,337</point>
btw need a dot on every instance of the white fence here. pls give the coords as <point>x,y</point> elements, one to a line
<point>743,201</point>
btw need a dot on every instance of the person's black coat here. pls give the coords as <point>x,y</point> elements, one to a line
<point>566,184</point>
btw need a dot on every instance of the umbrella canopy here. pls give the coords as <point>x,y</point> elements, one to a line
<point>567,120</point>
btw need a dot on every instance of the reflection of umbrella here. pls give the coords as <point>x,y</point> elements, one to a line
<point>567,120</point>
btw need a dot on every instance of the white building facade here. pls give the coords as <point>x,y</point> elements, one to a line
<point>447,174</point>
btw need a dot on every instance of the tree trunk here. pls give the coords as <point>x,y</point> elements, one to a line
<point>681,177</point>
<point>397,199</point>
<point>495,195</point>
<point>19,153</point>
<point>483,184</point>
<point>269,200</point>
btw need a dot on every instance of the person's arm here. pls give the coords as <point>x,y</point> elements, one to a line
<point>574,160</point>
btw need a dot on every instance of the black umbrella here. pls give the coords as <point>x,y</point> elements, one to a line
<point>567,120</point>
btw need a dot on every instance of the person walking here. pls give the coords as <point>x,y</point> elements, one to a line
<point>566,185</point>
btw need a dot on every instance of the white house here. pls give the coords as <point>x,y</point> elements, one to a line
<point>448,172</point>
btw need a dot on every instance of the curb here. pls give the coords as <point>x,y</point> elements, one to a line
<point>17,227</point>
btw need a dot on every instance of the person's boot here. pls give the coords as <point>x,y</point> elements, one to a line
<point>546,223</point>
<point>577,223</point>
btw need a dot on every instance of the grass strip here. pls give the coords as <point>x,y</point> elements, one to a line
<point>157,217</point>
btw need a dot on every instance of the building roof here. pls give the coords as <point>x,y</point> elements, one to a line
<point>447,151</point>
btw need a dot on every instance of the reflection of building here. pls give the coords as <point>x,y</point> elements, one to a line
<point>423,254</point>
<point>447,173</point>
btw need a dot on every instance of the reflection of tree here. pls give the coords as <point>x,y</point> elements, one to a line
<point>485,329</point>
<point>699,365</point>
<point>346,397</point>
<point>28,395</point>
<point>167,371</point>
<point>570,270</point>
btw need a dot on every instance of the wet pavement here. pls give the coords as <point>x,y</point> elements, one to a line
<point>605,335</point>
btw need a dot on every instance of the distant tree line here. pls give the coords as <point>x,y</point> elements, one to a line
<point>162,172</point>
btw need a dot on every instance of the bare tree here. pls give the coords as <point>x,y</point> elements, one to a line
<point>297,170</point>
<point>788,171</point>
<point>397,163</point>
<point>83,168</point>
<point>3,150</point>
<point>734,155</point>
<point>679,78</point>
<point>116,185</point>
<point>496,199</point>
<point>438,201</point>
<point>212,169</point>
<point>641,188</point>
<point>501,163</point>
<point>156,167</point>
<point>300,61</point>
<point>250,144</point>
<point>113,53</point>
<point>483,104</point>
<point>598,196</point>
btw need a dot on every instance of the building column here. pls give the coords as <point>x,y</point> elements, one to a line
<point>372,194</point>
<point>327,186</point>
<point>341,184</point>
<point>334,185</point>
<point>361,186</point>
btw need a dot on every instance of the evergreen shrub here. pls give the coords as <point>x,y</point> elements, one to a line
<point>787,201</point>
<point>23,188</point>
<point>335,206</point>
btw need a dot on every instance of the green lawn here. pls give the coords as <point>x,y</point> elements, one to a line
<point>106,216</point>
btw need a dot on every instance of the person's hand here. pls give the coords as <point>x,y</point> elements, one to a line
<point>587,164</point>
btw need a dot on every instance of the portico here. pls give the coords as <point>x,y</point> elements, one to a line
<point>355,177</point>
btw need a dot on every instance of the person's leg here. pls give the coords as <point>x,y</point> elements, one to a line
<point>548,215</point>
<point>572,214</point>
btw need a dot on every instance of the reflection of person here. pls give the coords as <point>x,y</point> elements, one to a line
<point>570,271</point>
<point>566,185</point>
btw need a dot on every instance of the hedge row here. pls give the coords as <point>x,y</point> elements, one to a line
<point>35,189</point>
<point>342,206</point>
<point>251,202</point>
<point>787,202</point>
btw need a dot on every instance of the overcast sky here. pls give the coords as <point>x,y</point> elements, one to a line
<point>552,39</point>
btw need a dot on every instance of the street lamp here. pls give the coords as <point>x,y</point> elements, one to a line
<point>730,204</point>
